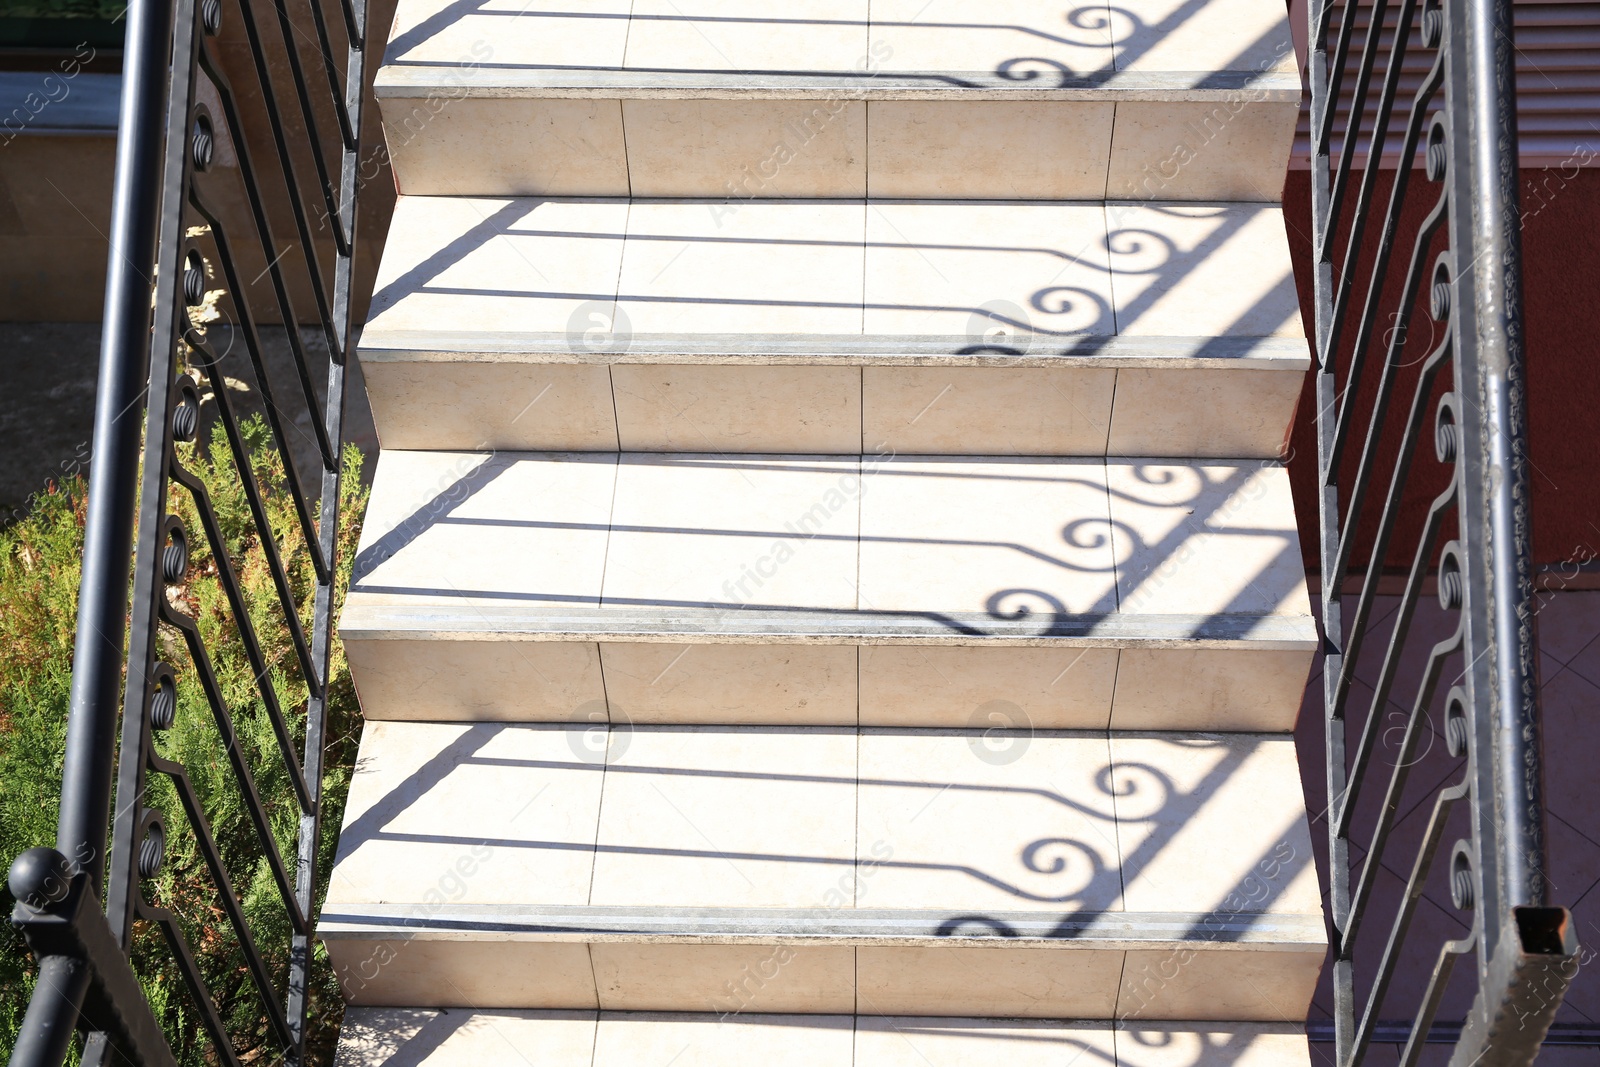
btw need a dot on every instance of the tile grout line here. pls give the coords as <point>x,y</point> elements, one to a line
<point>605,556</point>
<point>599,813</point>
<point>594,1046</point>
<point>622,126</point>
<point>1111,275</point>
<point>616,310</point>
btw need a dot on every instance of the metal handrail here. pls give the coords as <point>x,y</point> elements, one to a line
<point>1461,128</point>
<point>78,901</point>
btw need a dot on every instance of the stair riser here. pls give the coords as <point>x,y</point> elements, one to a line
<point>1176,982</point>
<point>1228,148</point>
<point>472,405</point>
<point>442,680</point>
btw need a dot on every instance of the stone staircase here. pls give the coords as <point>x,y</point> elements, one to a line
<point>830,594</point>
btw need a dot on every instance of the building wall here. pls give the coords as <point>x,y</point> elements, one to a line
<point>1561,259</point>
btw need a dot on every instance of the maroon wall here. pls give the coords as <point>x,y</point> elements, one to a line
<point>1561,252</point>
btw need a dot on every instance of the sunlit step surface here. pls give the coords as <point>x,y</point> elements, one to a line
<point>1001,874</point>
<point>419,1037</point>
<point>895,98</point>
<point>1049,328</point>
<point>881,590</point>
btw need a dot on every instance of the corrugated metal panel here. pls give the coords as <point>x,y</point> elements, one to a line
<point>1558,82</point>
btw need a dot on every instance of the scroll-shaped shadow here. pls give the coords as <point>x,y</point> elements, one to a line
<point>1057,45</point>
<point>1148,542</point>
<point>926,269</point>
<point>1075,856</point>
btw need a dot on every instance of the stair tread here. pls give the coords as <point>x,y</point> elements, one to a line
<point>847,549</point>
<point>740,834</point>
<point>1145,49</point>
<point>371,1037</point>
<point>762,281</point>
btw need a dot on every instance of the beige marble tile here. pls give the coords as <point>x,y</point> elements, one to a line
<point>1252,690</point>
<point>725,979</point>
<point>1217,984</point>
<point>722,408</point>
<point>739,150</point>
<point>1233,149</point>
<point>472,406</point>
<point>1039,983</point>
<point>988,149</point>
<point>1168,35</point>
<point>732,684</point>
<point>1177,797</point>
<point>654,1040</point>
<point>734,530</point>
<point>463,974</point>
<point>770,267</point>
<point>968,268</point>
<point>1234,413</point>
<point>468,530</point>
<point>1205,538</point>
<point>979,822</point>
<point>424,679</point>
<point>507,35</point>
<point>1002,411</point>
<point>736,35</point>
<point>1156,1044</point>
<point>910,1041</point>
<point>1000,536</point>
<point>535,805</point>
<point>376,1037</point>
<point>478,146</point>
<point>975,687</point>
<point>1025,40</point>
<point>727,817</point>
<point>496,264</point>
<point>1202,270</point>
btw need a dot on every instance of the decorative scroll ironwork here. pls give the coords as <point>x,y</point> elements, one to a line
<point>1438,256</point>
<point>78,902</point>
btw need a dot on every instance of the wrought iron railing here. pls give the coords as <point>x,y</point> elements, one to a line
<point>173,227</point>
<point>1418,291</point>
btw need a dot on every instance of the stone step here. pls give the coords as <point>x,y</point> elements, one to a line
<point>879,590</point>
<point>447,1037</point>
<point>735,870</point>
<point>1059,328</point>
<point>1143,99</point>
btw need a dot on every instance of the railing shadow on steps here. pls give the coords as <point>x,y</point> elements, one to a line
<point>183,167</point>
<point>1100,39</point>
<point>1418,291</point>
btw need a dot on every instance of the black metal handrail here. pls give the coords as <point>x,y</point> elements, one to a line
<point>78,902</point>
<point>1460,127</point>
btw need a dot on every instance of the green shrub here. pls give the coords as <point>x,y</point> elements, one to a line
<point>39,572</point>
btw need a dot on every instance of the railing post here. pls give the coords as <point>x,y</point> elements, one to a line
<point>92,718</point>
<point>1528,952</point>
<point>119,417</point>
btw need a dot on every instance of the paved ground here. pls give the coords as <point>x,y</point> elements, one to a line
<point>47,391</point>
